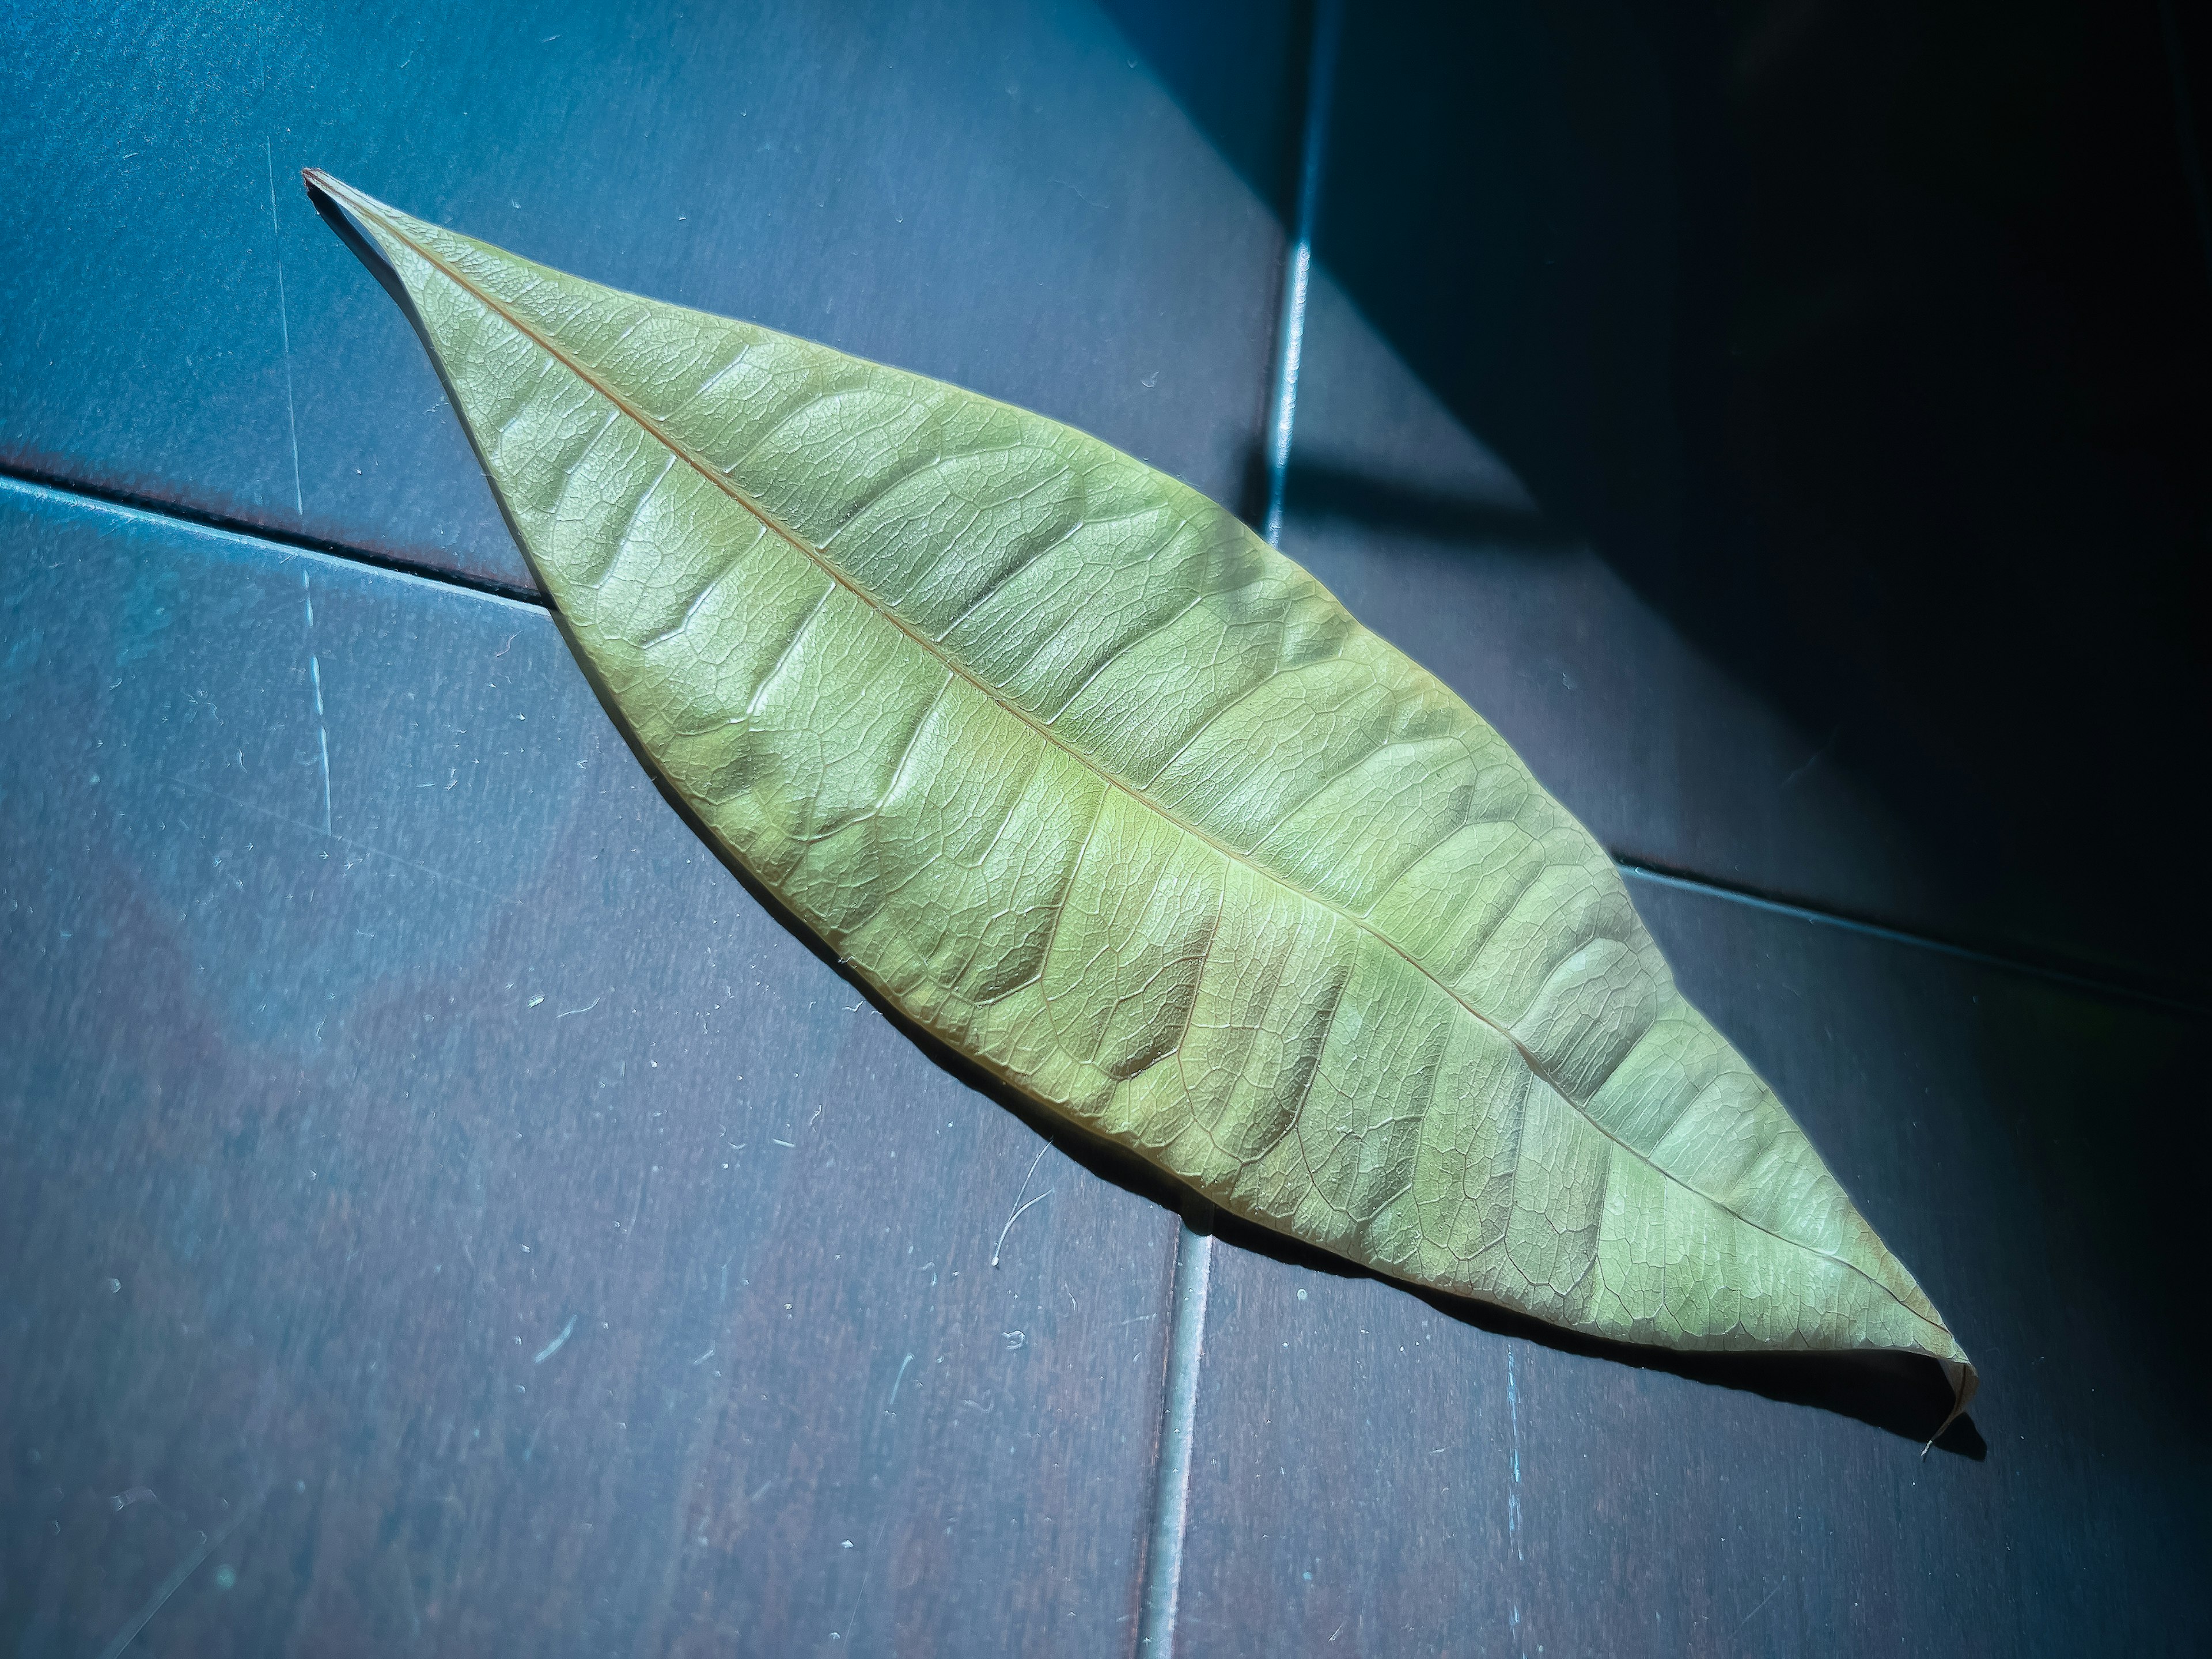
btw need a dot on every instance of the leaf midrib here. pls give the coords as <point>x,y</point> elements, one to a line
<point>369,209</point>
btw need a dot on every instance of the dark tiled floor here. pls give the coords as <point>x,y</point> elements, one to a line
<point>369,1273</point>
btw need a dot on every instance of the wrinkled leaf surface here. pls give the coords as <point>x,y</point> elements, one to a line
<point>1116,799</point>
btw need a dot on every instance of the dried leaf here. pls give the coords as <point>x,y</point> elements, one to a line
<point>1094,785</point>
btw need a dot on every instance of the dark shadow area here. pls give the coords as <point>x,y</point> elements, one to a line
<point>2119,1207</point>
<point>1871,344</point>
<point>1318,491</point>
<point>2052,970</point>
<point>1905,1395</point>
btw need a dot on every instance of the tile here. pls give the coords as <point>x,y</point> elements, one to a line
<point>457,1201</point>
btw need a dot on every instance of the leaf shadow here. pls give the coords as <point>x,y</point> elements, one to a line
<point>1321,491</point>
<point>1331,490</point>
<point>1907,1396</point>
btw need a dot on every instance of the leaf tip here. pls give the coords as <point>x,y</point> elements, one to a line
<point>1966,1382</point>
<point>325,188</point>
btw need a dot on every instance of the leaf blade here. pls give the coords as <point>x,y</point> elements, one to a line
<point>1122,804</point>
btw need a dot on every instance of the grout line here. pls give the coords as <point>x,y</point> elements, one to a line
<point>1194,1274</point>
<point>1513,1534</point>
<point>175,515</point>
<point>315,680</point>
<point>2110,989</point>
<point>1163,1583</point>
<point>1298,267</point>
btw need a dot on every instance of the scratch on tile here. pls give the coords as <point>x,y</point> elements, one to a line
<point>554,1347</point>
<point>346,840</point>
<point>169,1586</point>
<point>1513,1491</point>
<point>1763,1601</point>
<point>315,682</point>
<point>1814,759</point>
<point>1018,1206</point>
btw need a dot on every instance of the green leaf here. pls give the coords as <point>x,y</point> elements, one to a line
<point>1094,785</point>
